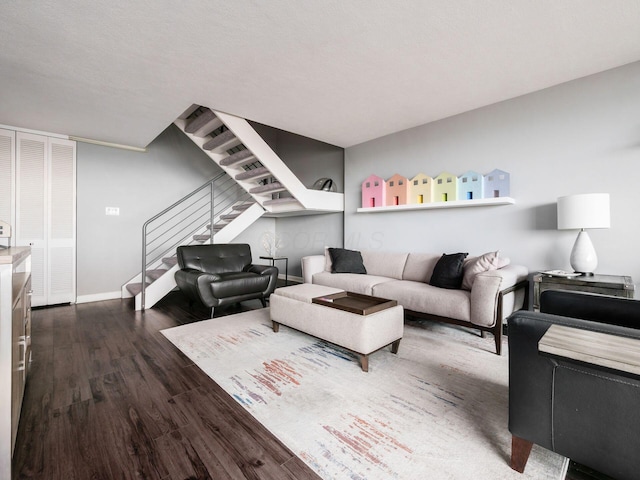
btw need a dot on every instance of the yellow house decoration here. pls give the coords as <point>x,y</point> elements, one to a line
<point>420,189</point>
<point>445,187</point>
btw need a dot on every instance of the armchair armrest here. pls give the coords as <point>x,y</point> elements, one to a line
<point>267,271</point>
<point>311,265</point>
<point>487,301</point>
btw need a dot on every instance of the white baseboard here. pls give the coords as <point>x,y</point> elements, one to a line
<point>292,278</point>
<point>98,297</point>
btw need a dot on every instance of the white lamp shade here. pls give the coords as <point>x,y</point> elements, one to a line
<point>589,210</point>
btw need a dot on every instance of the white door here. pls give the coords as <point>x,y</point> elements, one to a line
<point>31,203</point>
<point>46,214</point>
<point>7,179</point>
<point>61,228</point>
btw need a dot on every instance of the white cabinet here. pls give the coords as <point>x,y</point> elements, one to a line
<point>38,198</point>
<point>15,345</point>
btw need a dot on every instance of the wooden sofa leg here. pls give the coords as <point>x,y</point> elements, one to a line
<point>364,362</point>
<point>520,450</point>
<point>395,346</point>
<point>497,336</point>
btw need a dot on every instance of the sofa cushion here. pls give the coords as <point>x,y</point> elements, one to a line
<point>475,265</point>
<point>346,261</point>
<point>448,271</point>
<point>425,298</point>
<point>384,264</point>
<point>350,282</point>
<point>419,267</point>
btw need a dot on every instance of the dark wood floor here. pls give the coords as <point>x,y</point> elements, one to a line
<point>108,397</point>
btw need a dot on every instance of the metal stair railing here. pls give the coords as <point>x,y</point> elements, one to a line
<point>177,224</point>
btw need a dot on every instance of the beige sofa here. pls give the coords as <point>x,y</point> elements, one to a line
<point>404,277</point>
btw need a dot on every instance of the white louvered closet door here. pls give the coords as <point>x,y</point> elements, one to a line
<point>7,178</point>
<point>31,195</point>
<point>61,221</point>
<point>45,214</point>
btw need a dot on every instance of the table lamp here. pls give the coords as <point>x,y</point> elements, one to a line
<point>579,212</point>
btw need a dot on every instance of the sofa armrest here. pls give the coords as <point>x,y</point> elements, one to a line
<point>267,271</point>
<point>311,265</point>
<point>485,294</point>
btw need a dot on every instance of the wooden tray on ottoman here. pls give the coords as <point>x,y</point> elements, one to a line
<point>355,302</point>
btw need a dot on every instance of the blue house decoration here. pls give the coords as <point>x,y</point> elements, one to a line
<point>497,184</point>
<point>470,186</point>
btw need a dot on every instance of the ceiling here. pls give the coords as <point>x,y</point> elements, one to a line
<point>340,71</point>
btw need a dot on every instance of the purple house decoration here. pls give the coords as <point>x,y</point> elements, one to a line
<point>496,184</point>
<point>397,190</point>
<point>470,186</point>
<point>374,192</point>
<point>420,189</point>
<point>445,187</point>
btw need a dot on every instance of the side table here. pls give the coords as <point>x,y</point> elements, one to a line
<point>286,266</point>
<point>615,285</point>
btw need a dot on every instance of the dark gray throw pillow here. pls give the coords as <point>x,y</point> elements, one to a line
<point>346,261</point>
<point>449,271</point>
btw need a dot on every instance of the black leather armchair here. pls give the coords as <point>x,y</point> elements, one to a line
<point>587,413</point>
<point>222,274</point>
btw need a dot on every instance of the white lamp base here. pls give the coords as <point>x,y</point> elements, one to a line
<point>583,256</point>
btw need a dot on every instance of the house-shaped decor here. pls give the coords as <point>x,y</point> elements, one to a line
<point>397,190</point>
<point>420,189</point>
<point>497,184</point>
<point>445,187</point>
<point>470,186</point>
<point>374,192</point>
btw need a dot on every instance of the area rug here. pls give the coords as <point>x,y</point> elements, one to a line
<point>438,409</point>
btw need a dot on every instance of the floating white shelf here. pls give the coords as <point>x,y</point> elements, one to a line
<point>483,202</point>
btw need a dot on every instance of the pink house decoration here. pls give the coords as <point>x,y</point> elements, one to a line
<point>397,190</point>
<point>374,192</point>
<point>470,186</point>
<point>420,189</point>
<point>445,187</point>
<point>497,184</point>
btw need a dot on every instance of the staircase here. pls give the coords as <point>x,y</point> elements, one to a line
<point>254,183</point>
<point>217,211</point>
<point>233,144</point>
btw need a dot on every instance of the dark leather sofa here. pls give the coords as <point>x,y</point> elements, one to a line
<point>223,274</point>
<point>587,413</point>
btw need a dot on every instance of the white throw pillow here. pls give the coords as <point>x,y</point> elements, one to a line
<point>483,263</point>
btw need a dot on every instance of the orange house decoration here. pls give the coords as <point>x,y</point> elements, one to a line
<point>374,192</point>
<point>420,189</point>
<point>445,187</point>
<point>397,190</point>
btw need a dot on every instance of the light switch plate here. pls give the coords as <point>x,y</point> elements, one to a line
<point>112,211</point>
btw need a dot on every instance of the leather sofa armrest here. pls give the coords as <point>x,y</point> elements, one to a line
<point>486,290</point>
<point>311,265</point>
<point>266,270</point>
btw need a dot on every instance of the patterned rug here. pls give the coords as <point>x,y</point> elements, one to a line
<point>437,410</point>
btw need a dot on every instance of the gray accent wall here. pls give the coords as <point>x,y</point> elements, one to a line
<point>109,248</point>
<point>578,137</point>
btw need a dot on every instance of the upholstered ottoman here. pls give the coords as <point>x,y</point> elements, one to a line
<point>363,334</point>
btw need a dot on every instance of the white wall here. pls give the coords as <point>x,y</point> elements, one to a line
<point>579,137</point>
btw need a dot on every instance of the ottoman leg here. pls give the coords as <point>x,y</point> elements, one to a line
<point>395,346</point>
<point>276,326</point>
<point>364,362</point>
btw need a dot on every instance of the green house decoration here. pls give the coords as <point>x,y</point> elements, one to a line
<point>470,186</point>
<point>397,190</point>
<point>445,187</point>
<point>497,184</point>
<point>420,189</point>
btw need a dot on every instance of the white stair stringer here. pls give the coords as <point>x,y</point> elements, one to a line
<point>156,290</point>
<point>306,201</point>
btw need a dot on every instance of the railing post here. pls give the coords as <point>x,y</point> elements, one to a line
<point>143,271</point>
<point>212,213</point>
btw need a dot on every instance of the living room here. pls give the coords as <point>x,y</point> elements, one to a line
<point>566,132</point>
